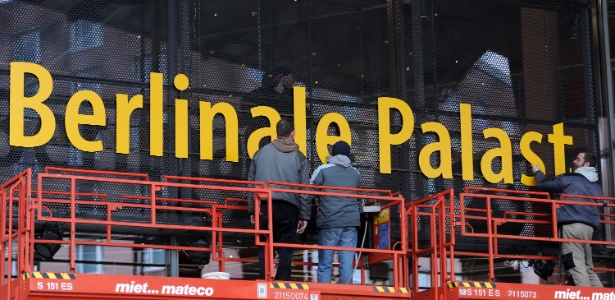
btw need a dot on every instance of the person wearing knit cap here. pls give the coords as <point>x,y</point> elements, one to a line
<point>337,218</point>
<point>342,148</point>
<point>576,221</point>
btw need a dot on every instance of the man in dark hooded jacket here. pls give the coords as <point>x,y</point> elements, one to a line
<point>338,217</point>
<point>577,221</point>
<point>281,160</point>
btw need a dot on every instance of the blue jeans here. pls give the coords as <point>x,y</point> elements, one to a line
<point>337,237</point>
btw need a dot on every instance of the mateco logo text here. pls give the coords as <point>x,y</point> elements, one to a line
<point>576,295</point>
<point>603,296</point>
<point>145,288</point>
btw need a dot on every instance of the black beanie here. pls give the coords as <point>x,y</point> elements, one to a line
<point>340,147</point>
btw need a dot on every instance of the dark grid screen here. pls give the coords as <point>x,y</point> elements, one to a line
<point>522,65</point>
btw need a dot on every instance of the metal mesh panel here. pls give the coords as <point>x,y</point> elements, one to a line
<point>522,65</point>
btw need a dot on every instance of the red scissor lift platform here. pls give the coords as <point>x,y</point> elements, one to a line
<point>30,204</point>
<point>447,214</point>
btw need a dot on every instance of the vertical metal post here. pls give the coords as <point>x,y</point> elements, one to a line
<point>604,80</point>
<point>173,54</point>
<point>259,34</point>
<point>185,68</point>
<point>173,258</point>
<point>605,85</point>
<point>395,16</point>
<point>73,228</point>
<point>585,39</point>
<point>416,9</point>
<point>396,37</point>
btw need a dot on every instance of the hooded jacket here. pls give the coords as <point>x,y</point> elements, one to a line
<point>582,182</point>
<point>281,160</point>
<point>334,211</point>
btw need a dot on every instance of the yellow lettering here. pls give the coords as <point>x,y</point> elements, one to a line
<point>207,114</point>
<point>504,152</point>
<point>156,115</point>
<point>299,109</point>
<point>530,156</point>
<point>385,137</point>
<point>181,83</point>
<point>395,127</point>
<point>125,107</point>
<point>467,152</point>
<point>445,169</point>
<point>19,102</point>
<point>259,134</point>
<point>559,139</point>
<point>322,139</point>
<point>74,119</point>
<point>181,128</point>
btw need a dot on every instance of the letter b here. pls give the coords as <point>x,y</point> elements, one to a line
<point>19,102</point>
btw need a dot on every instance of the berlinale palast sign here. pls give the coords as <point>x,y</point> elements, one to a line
<point>125,105</point>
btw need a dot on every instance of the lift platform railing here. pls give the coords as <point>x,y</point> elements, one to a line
<point>151,206</point>
<point>436,209</point>
<point>496,191</point>
<point>59,170</point>
<point>385,199</point>
<point>543,219</point>
<point>15,196</point>
<point>60,198</point>
<point>214,181</point>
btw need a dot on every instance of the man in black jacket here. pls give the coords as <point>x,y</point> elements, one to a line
<point>281,160</point>
<point>577,221</point>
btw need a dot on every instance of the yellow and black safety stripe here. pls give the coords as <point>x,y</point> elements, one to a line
<point>49,275</point>
<point>404,290</point>
<point>384,289</point>
<point>472,284</point>
<point>292,286</point>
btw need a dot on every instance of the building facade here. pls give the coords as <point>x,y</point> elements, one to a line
<point>432,94</point>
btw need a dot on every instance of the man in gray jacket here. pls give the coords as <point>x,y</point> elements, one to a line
<point>338,217</point>
<point>281,160</point>
<point>577,221</point>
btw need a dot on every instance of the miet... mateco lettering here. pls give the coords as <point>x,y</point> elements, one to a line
<point>187,290</point>
<point>126,105</point>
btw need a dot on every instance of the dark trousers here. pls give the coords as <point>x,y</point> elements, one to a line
<point>284,231</point>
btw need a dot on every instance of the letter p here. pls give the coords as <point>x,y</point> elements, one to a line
<point>386,138</point>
